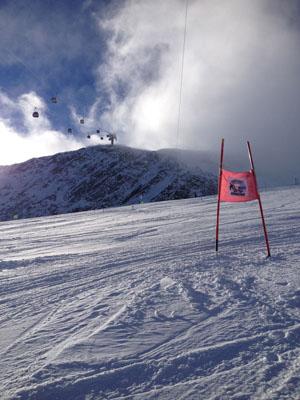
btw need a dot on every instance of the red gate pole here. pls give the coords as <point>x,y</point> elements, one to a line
<point>219,194</point>
<point>259,201</point>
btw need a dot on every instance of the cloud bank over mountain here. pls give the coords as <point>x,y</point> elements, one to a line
<point>119,65</point>
<point>240,80</point>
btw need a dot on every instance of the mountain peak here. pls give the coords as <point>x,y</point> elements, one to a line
<point>98,177</point>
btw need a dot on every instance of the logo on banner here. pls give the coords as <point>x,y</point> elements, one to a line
<point>237,187</point>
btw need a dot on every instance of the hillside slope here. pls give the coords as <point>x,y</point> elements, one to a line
<point>97,177</point>
<point>133,303</point>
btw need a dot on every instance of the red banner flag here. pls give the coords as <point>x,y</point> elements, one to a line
<point>238,186</point>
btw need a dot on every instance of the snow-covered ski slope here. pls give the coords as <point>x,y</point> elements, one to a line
<point>133,303</point>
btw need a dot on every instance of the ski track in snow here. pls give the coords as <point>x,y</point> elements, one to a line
<point>133,303</point>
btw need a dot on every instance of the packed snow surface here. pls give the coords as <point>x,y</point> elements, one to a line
<point>134,303</point>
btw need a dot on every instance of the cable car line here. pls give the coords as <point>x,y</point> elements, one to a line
<point>181,74</point>
<point>54,99</point>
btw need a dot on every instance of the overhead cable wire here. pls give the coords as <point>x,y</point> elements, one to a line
<point>181,75</point>
<point>20,61</point>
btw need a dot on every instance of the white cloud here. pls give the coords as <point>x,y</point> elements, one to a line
<point>241,75</point>
<point>241,79</point>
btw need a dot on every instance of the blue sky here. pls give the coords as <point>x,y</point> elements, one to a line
<point>118,64</point>
<point>52,48</point>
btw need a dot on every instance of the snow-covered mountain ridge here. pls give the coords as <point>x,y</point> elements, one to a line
<point>98,177</point>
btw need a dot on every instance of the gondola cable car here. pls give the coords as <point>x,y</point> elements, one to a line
<point>54,100</point>
<point>35,113</point>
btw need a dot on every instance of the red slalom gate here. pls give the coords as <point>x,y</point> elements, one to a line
<point>237,187</point>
